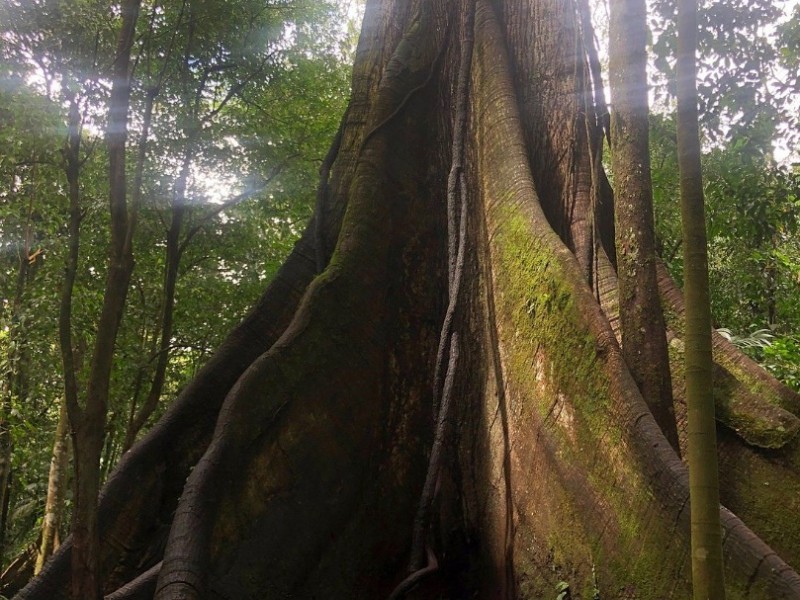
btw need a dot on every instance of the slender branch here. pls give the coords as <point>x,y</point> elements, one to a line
<point>235,89</point>
<point>141,157</point>
<point>322,195</point>
<point>456,257</point>
<point>215,211</point>
<point>170,46</point>
<point>72,169</point>
<point>234,201</point>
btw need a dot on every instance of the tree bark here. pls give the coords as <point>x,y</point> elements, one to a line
<point>56,490</point>
<point>708,579</point>
<point>644,341</point>
<point>88,421</point>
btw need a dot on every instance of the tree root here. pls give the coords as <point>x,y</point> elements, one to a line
<point>596,415</point>
<point>162,459</point>
<point>416,577</point>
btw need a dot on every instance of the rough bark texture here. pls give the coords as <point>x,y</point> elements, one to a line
<point>293,465</point>
<point>644,341</point>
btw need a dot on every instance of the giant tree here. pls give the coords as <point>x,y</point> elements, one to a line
<point>28,166</point>
<point>294,463</point>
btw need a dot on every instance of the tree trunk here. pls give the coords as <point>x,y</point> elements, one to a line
<point>172,257</point>
<point>5,474</point>
<point>644,342</point>
<point>88,420</point>
<point>708,579</point>
<point>56,490</point>
<point>294,464</point>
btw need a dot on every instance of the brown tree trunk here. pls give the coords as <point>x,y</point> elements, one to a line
<point>644,341</point>
<point>72,170</point>
<point>294,464</point>
<point>88,420</point>
<point>5,469</point>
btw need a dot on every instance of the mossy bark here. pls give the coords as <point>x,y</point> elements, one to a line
<point>56,491</point>
<point>548,330</point>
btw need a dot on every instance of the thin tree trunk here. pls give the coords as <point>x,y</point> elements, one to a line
<point>5,460</point>
<point>175,246</point>
<point>644,340</point>
<point>137,420</point>
<point>56,490</point>
<point>88,422</point>
<point>136,201</point>
<point>173,253</point>
<point>706,531</point>
<point>167,310</point>
<point>72,170</point>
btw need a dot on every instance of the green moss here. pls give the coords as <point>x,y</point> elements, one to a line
<point>743,403</point>
<point>559,379</point>
<point>758,423</point>
<point>553,364</point>
<point>581,489</point>
<point>534,289</point>
<point>746,380</point>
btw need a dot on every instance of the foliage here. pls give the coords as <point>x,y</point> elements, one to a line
<point>748,69</point>
<point>757,339</point>
<point>752,220</point>
<point>250,92</point>
<point>742,91</point>
<point>782,359</point>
